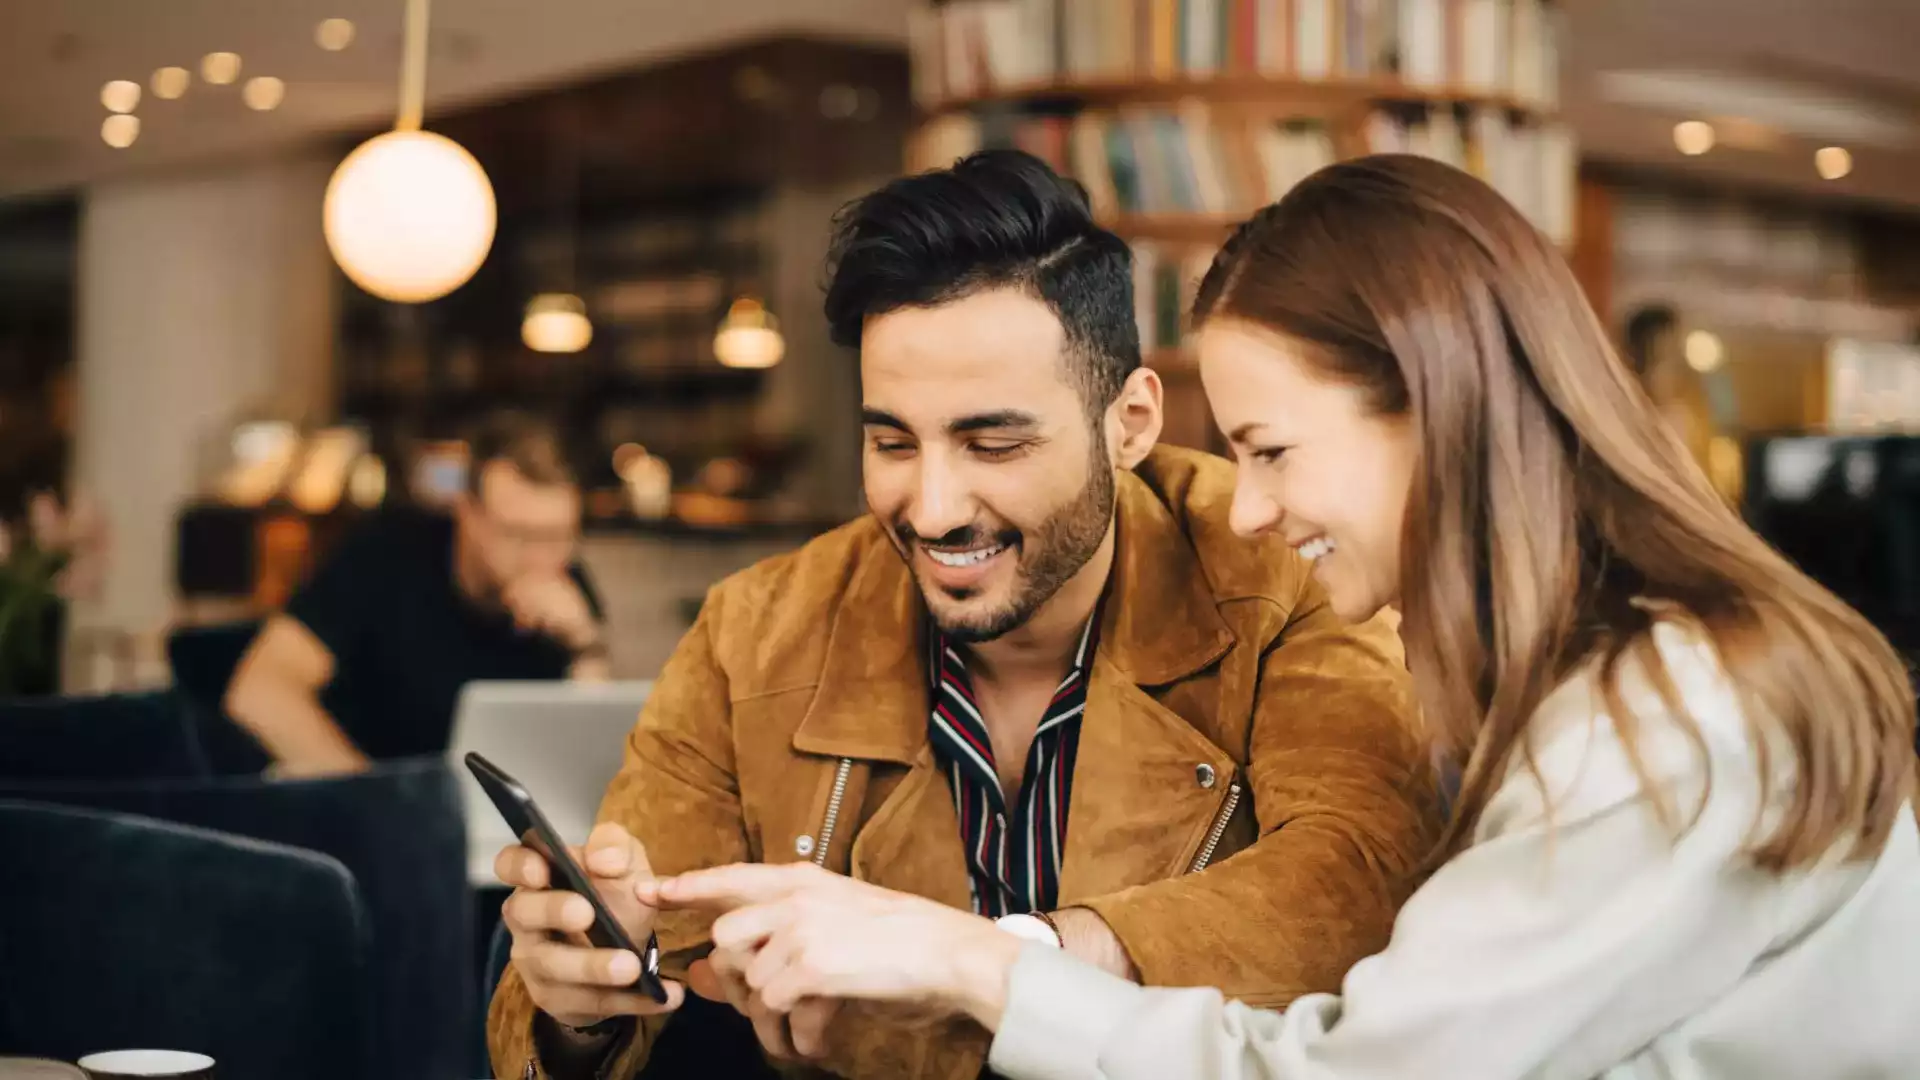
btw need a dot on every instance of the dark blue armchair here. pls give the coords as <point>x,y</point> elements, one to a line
<point>118,931</point>
<point>398,830</point>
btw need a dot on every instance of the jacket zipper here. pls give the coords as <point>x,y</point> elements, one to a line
<point>1219,830</point>
<point>840,776</point>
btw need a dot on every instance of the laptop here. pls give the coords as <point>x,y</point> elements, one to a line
<point>563,740</point>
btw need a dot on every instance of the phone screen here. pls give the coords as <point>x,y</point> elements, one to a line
<point>523,816</point>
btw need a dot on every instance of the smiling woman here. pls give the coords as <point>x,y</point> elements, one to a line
<point>1320,465</point>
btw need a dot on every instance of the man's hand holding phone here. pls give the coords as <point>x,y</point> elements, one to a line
<point>568,978</point>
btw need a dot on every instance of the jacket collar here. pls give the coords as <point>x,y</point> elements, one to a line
<point>1159,623</point>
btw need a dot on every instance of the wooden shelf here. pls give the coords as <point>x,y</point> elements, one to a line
<point>1175,361</point>
<point>1195,229</point>
<point>1278,95</point>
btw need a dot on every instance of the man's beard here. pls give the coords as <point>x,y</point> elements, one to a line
<point>1048,557</point>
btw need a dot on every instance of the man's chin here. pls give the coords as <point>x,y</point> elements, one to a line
<point>970,620</point>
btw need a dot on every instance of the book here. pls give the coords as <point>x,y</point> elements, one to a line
<point>964,48</point>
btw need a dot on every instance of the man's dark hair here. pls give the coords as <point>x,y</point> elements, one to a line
<point>996,219</point>
<point>527,443</point>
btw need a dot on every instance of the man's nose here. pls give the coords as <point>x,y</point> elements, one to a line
<point>941,502</point>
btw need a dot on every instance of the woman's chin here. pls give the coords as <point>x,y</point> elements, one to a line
<point>1355,605</point>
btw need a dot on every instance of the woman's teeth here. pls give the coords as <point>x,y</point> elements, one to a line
<point>964,558</point>
<point>1316,549</point>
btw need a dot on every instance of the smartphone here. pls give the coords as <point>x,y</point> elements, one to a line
<point>533,829</point>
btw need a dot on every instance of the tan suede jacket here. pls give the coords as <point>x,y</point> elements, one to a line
<point>1234,726</point>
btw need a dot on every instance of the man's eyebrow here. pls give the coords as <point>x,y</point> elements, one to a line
<point>998,419</point>
<point>881,418</point>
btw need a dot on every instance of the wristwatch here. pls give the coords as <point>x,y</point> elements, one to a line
<point>1038,927</point>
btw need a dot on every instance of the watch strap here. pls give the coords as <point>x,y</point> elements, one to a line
<point>1051,925</point>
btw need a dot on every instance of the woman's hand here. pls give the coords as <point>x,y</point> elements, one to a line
<point>798,932</point>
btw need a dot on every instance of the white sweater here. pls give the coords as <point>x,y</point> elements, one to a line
<point>1600,947</point>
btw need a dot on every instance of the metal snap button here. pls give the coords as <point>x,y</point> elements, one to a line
<point>803,846</point>
<point>1203,773</point>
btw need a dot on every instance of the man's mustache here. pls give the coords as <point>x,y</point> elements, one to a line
<point>966,536</point>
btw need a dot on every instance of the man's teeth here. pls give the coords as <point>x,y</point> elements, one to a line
<point>964,558</point>
<point>1316,549</point>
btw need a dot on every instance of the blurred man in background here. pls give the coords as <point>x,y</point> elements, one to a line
<point>413,607</point>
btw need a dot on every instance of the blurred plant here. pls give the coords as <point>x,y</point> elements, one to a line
<point>58,556</point>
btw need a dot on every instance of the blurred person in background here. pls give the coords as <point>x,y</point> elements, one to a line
<point>1684,842</point>
<point>1041,683</point>
<point>1655,352</point>
<point>414,606</point>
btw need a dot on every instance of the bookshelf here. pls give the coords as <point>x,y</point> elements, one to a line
<point>657,196</point>
<point>657,281</point>
<point>1281,95</point>
<point>1183,117</point>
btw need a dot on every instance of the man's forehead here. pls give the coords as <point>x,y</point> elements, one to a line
<point>992,323</point>
<point>502,486</point>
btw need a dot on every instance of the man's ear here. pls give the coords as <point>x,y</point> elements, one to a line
<point>1134,419</point>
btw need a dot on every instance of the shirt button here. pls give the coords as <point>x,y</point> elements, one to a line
<point>1203,774</point>
<point>803,846</point>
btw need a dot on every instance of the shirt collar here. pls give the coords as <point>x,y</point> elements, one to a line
<point>940,649</point>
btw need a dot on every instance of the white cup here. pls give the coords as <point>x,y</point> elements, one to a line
<point>130,1064</point>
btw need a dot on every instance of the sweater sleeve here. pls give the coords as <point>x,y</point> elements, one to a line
<point>1576,930</point>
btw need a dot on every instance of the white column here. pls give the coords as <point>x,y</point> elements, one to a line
<point>203,298</point>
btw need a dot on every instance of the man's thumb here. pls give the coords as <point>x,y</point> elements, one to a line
<point>701,980</point>
<point>610,850</point>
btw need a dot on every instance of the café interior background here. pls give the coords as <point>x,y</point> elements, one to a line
<point>214,384</point>
<point>180,349</point>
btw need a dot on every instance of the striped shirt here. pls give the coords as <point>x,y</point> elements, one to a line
<point>1013,852</point>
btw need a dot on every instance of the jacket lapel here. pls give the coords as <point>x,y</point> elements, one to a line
<point>871,705</point>
<point>912,842</point>
<point>1141,803</point>
<point>1146,784</point>
<point>871,702</point>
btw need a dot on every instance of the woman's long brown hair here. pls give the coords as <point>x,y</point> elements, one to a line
<point>1550,503</point>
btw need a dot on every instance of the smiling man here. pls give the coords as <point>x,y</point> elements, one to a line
<point>1042,680</point>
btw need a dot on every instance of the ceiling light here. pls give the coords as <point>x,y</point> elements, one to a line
<point>749,337</point>
<point>220,68</point>
<point>1833,162</point>
<point>410,215</point>
<point>333,34</point>
<point>1693,137</point>
<point>1704,351</point>
<point>556,323</point>
<point>263,92</point>
<point>171,82</point>
<point>119,130</point>
<point>120,95</point>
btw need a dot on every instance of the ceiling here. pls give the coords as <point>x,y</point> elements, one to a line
<point>56,54</point>
<point>1843,63</point>
<point>1754,67</point>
